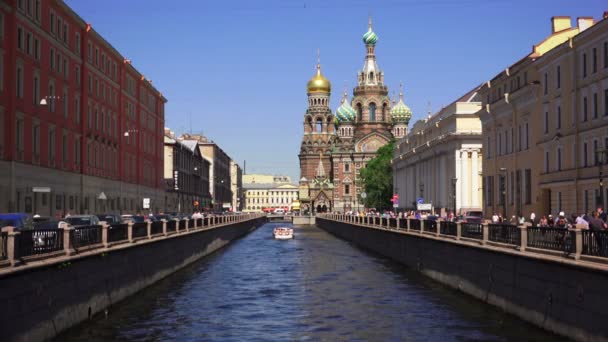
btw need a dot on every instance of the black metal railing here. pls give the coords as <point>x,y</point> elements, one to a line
<point>557,239</point>
<point>157,227</point>
<point>504,233</point>
<point>430,226</point>
<point>471,230</point>
<point>39,241</point>
<point>392,222</point>
<point>206,221</point>
<point>447,228</point>
<point>182,224</point>
<point>383,221</point>
<point>118,232</point>
<point>85,236</point>
<point>199,222</point>
<point>171,225</point>
<point>595,243</point>
<point>140,229</point>
<point>3,247</point>
<point>414,224</point>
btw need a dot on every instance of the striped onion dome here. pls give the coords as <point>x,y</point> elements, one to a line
<point>370,38</point>
<point>345,113</point>
<point>401,112</point>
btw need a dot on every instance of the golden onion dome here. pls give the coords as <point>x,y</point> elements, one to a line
<point>318,84</point>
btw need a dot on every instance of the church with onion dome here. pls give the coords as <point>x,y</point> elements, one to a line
<point>336,145</point>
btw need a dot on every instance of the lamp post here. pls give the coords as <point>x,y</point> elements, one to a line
<point>601,159</point>
<point>503,191</point>
<point>454,182</point>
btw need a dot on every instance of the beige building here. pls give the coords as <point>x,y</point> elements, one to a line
<point>544,119</point>
<point>236,186</point>
<point>268,192</point>
<point>440,159</point>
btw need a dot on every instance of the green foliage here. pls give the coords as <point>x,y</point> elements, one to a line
<point>377,178</point>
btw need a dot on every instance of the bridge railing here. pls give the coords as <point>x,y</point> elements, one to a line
<point>577,243</point>
<point>19,246</point>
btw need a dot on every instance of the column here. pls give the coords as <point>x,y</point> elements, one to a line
<point>475,179</point>
<point>464,173</point>
<point>457,168</point>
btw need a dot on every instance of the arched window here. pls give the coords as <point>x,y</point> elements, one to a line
<point>359,112</point>
<point>319,127</point>
<point>371,76</point>
<point>372,112</point>
<point>384,106</point>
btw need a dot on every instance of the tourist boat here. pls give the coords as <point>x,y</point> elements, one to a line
<point>283,233</point>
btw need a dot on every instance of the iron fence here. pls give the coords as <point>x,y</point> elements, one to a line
<point>447,228</point>
<point>157,227</point>
<point>471,230</point>
<point>557,239</point>
<point>171,225</point>
<point>206,221</point>
<point>430,226</point>
<point>118,232</point>
<point>182,224</point>
<point>414,224</point>
<point>3,248</point>
<point>39,241</point>
<point>199,222</point>
<point>504,233</point>
<point>85,236</point>
<point>140,229</point>
<point>392,222</point>
<point>595,243</point>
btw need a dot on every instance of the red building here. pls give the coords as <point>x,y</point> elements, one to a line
<point>81,130</point>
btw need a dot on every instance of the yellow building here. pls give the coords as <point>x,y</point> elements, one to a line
<point>268,192</point>
<point>543,118</point>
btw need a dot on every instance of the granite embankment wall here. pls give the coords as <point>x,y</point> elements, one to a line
<point>561,295</point>
<point>40,300</point>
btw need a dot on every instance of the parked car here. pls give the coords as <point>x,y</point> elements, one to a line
<point>476,213</point>
<point>48,224</point>
<point>471,219</point>
<point>82,220</point>
<point>110,219</point>
<point>164,217</point>
<point>17,220</point>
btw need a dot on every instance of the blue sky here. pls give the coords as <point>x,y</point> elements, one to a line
<point>236,71</point>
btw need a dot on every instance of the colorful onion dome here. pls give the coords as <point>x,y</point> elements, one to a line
<point>345,113</point>
<point>401,112</point>
<point>370,38</point>
<point>318,84</point>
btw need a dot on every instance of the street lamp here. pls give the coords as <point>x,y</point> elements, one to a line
<point>504,190</point>
<point>454,181</point>
<point>601,159</point>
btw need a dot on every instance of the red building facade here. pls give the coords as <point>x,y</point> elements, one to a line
<point>81,130</point>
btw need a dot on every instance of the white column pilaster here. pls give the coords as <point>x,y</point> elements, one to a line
<point>464,160</point>
<point>474,179</point>
<point>458,168</point>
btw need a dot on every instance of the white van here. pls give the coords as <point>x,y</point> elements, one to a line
<point>279,211</point>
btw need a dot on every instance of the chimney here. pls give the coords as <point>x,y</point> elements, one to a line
<point>560,24</point>
<point>584,23</point>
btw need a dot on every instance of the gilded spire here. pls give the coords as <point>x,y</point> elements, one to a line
<point>318,84</point>
<point>369,22</point>
<point>345,96</point>
<point>400,90</point>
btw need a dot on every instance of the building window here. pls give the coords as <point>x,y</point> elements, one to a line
<point>346,189</point>
<point>594,60</point>
<point>585,159</point>
<point>52,98</point>
<point>37,49</point>
<point>527,137</point>
<point>65,104</point>
<point>489,149</point>
<point>36,90</point>
<point>499,145</point>
<point>19,85</point>
<point>605,97</point>
<point>51,145</point>
<point>20,38</point>
<point>546,122</point>
<point>77,109</point>
<point>584,65</point>
<point>559,77</point>
<point>584,108</point>
<point>36,141</point>
<point>372,112</point>
<point>559,159</point>
<point>52,59</point>
<point>595,156</point>
<point>595,110</point>
<point>64,148</point>
<point>512,141</point>
<point>559,117</point>
<point>545,85</point>
<point>77,151</point>
<point>546,161</point>
<point>528,186</point>
<point>346,167</point>
<point>19,138</point>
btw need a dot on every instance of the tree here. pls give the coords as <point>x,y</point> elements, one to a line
<point>377,178</point>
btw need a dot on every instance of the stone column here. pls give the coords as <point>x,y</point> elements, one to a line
<point>475,179</point>
<point>164,226</point>
<point>104,233</point>
<point>149,226</point>
<point>187,225</point>
<point>523,231</point>
<point>67,241</point>
<point>485,229</point>
<point>130,231</point>
<point>176,225</point>
<point>464,174</point>
<point>12,254</point>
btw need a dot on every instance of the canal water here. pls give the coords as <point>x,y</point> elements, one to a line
<point>313,288</point>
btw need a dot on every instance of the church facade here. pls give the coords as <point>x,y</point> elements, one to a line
<point>336,145</point>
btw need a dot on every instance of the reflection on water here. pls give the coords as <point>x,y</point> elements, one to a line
<point>315,287</point>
